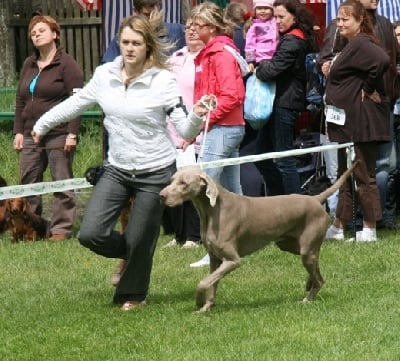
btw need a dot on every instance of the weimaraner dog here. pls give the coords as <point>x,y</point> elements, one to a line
<point>233,226</point>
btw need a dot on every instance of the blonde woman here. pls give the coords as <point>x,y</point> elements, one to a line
<point>136,92</point>
<point>218,72</point>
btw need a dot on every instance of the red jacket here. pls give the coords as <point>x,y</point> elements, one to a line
<point>218,73</point>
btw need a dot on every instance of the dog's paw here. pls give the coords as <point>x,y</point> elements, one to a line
<point>204,309</point>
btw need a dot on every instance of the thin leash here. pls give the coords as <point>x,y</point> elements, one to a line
<point>210,103</point>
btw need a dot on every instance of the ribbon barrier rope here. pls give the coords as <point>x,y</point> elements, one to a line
<point>79,183</point>
<point>35,189</point>
<point>287,153</point>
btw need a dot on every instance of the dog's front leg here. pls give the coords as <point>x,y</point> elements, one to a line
<point>202,299</point>
<point>211,281</point>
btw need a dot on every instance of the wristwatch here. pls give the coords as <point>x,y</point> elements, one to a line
<point>72,136</point>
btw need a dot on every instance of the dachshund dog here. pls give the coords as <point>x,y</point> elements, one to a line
<point>23,224</point>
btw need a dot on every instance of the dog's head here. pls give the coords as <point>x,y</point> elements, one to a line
<point>189,183</point>
<point>17,206</point>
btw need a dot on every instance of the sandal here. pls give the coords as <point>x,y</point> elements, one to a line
<point>130,305</point>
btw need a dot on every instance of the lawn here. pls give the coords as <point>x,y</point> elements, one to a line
<point>56,299</point>
<point>56,305</point>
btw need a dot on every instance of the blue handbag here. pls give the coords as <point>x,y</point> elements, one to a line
<point>258,101</point>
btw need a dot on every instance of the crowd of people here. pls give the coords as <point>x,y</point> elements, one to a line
<point>151,87</point>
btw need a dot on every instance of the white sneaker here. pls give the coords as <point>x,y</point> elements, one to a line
<point>366,236</point>
<point>205,261</point>
<point>171,243</point>
<point>190,244</point>
<point>334,232</point>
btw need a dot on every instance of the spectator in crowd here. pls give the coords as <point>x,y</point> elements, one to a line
<point>184,219</point>
<point>250,178</point>
<point>136,93</point>
<point>287,69</point>
<point>333,44</point>
<point>47,78</point>
<point>262,36</point>
<point>239,15</point>
<point>172,33</point>
<point>218,72</point>
<point>357,109</point>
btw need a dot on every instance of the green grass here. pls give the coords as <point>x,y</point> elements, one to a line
<point>56,299</point>
<point>88,152</point>
<point>56,305</point>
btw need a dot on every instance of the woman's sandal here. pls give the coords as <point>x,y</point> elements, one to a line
<point>130,305</point>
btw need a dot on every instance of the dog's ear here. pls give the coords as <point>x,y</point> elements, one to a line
<point>25,206</point>
<point>211,190</point>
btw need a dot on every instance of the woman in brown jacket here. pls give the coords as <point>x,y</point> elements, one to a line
<point>357,110</point>
<point>47,78</point>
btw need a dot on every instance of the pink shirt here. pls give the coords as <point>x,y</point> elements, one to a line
<point>261,40</point>
<point>184,70</point>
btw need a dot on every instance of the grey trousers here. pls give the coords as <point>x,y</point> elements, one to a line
<point>33,163</point>
<point>138,244</point>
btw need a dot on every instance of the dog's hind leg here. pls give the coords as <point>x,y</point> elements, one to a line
<point>315,280</point>
<point>209,284</point>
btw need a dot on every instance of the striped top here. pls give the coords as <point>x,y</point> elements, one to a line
<point>387,8</point>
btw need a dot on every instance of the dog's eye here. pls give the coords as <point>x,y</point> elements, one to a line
<point>183,184</point>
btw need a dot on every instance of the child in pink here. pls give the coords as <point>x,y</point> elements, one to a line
<point>262,37</point>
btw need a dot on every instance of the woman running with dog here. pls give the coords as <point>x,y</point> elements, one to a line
<point>136,92</point>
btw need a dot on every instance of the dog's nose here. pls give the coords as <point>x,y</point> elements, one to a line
<point>163,195</point>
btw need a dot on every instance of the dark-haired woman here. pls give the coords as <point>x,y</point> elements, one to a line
<point>287,70</point>
<point>357,110</point>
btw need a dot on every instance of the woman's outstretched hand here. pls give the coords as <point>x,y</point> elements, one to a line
<point>207,103</point>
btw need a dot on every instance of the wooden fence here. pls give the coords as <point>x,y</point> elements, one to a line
<point>81,31</point>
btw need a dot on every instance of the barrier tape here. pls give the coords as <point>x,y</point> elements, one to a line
<point>35,189</point>
<point>79,183</point>
<point>258,157</point>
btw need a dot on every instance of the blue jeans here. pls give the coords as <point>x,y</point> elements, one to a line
<point>137,245</point>
<point>223,142</point>
<point>280,175</point>
<point>385,163</point>
<point>331,165</point>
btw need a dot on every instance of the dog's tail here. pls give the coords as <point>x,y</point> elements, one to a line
<point>322,197</point>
